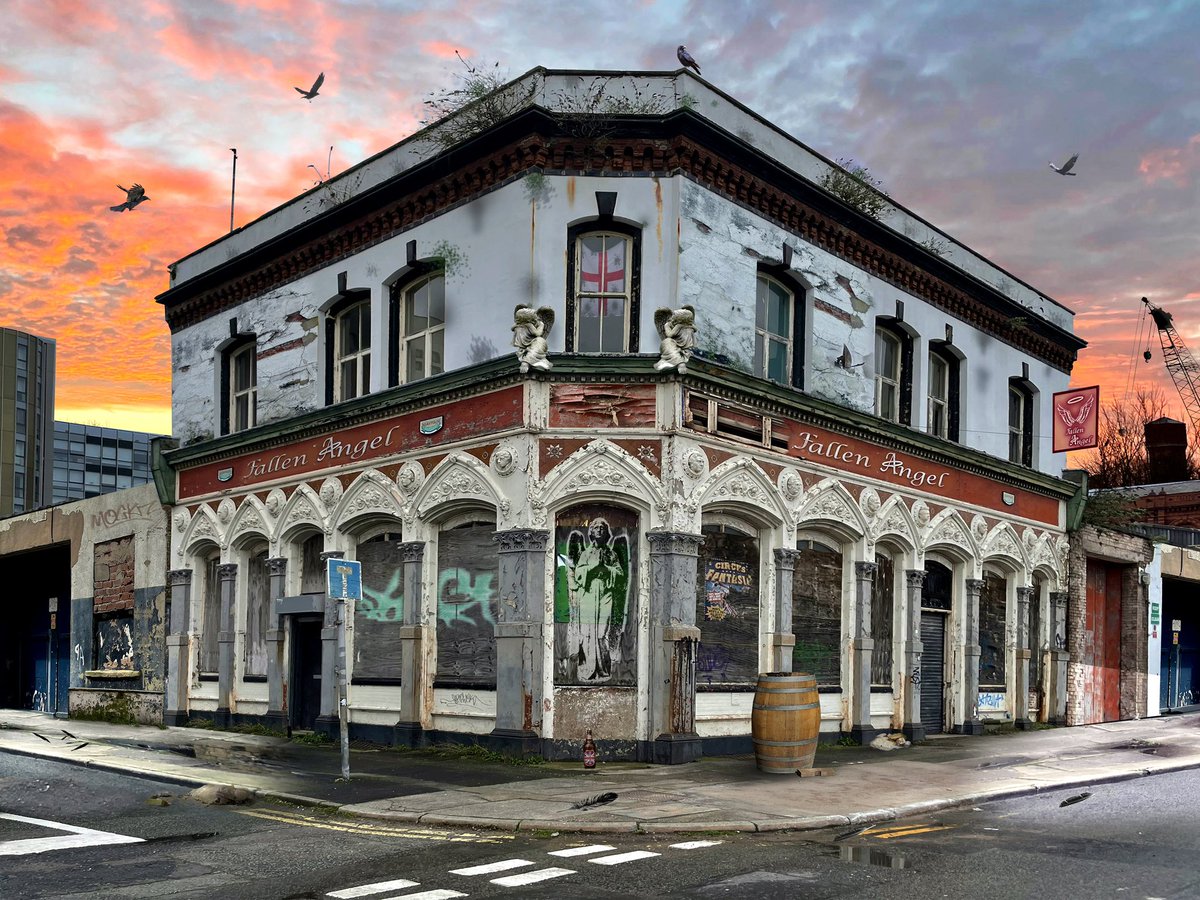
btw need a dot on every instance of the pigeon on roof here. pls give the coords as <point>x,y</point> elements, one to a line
<point>314,90</point>
<point>133,196</point>
<point>1065,168</point>
<point>685,59</point>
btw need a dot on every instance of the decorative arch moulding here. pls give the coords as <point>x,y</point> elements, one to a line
<point>385,437</point>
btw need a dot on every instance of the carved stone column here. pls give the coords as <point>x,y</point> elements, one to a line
<point>1021,680</point>
<point>912,648</point>
<point>970,686</point>
<point>412,648</point>
<point>861,648</point>
<point>327,721</point>
<point>276,716</point>
<point>227,576</point>
<point>673,640</point>
<point>519,646</point>
<point>1056,675</point>
<point>175,699</point>
<point>783,639</point>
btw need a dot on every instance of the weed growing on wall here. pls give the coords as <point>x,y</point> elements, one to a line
<point>854,184</point>
<point>448,258</point>
<point>479,99</point>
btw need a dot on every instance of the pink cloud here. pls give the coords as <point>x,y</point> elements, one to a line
<point>1174,164</point>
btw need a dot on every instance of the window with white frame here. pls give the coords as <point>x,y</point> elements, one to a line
<point>938,412</point>
<point>243,386</point>
<point>424,327</point>
<point>1020,424</point>
<point>773,330</point>
<point>352,351</point>
<point>603,292</point>
<point>888,358</point>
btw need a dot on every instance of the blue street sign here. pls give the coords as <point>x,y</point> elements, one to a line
<point>343,579</point>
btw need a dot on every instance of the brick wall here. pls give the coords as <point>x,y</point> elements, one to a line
<point>112,578</point>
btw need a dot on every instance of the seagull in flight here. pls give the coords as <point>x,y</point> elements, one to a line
<point>1065,168</point>
<point>133,196</point>
<point>314,90</point>
<point>685,59</point>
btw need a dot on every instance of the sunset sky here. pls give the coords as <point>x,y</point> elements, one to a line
<point>956,106</point>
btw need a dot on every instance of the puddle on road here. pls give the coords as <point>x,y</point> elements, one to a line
<point>872,856</point>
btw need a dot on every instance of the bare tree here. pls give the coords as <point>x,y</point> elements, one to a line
<point>1120,460</point>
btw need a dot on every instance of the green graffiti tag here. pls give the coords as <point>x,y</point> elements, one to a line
<point>386,605</point>
<point>460,591</point>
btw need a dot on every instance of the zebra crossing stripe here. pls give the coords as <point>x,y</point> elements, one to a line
<point>379,887</point>
<point>503,866</point>
<point>583,851</point>
<point>623,857</point>
<point>531,877</point>
<point>695,845</point>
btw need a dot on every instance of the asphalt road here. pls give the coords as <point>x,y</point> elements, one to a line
<point>1138,839</point>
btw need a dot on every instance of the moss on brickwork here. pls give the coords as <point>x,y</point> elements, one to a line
<point>119,711</point>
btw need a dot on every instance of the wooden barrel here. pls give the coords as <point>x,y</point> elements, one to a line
<point>785,722</point>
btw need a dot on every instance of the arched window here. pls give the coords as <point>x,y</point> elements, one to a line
<point>727,595</point>
<point>883,605</point>
<point>208,658</point>
<point>893,374</point>
<point>1020,422</point>
<point>602,302</point>
<point>380,613</point>
<point>942,411</point>
<point>258,608</point>
<point>419,308</point>
<point>776,331</point>
<point>239,385</point>
<point>348,348</point>
<point>468,600</point>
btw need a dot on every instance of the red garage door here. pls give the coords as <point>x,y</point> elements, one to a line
<point>1101,644</point>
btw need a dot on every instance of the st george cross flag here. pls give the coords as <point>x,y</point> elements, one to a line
<point>602,271</point>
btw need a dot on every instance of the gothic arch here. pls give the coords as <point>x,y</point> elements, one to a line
<point>739,485</point>
<point>458,481</point>
<point>371,499</point>
<point>1044,561</point>
<point>894,524</point>
<point>949,535</point>
<point>203,529</point>
<point>597,471</point>
<point>1002,547</point>
<point>248,523</point>
<point>303,509</point>
<point>830,508</point>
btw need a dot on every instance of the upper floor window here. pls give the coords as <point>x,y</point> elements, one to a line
<point>942,411</point>
<point>352,351</point>
<point>423,327</point>
<point>893,374</point>
<point>773,330</point>
<point>602,308</point>
<point>1020,423</point>
<point>243,386</point>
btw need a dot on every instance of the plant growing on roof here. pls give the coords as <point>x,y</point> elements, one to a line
<point>854,184</point>
<point>481,98</point>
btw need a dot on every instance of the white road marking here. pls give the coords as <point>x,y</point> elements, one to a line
<point>503,866</point>
<point>583,851</point>
<point>531,877</point>
<point>379,887</point>
<point>623,858</point>
<point>695,845</point>
<point>438,894</point>
<point>77,837</point>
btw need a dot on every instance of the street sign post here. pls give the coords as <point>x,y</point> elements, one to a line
<point>343,580</point>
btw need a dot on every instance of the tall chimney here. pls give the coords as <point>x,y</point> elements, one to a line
<point>1166,450</point>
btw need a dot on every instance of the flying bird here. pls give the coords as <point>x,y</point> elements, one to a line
<point>133,196</point>
<point>314,90</point>
<point>1065,168</point>
<point>685,59</point>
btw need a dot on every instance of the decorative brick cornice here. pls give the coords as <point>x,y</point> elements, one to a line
<point>379,215</point>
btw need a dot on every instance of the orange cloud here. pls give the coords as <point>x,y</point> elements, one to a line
<point>1172,163</point>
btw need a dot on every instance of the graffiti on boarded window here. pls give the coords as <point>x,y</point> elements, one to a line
<point>817,612</point>
<point>727,607</point>
<point>991,629</point>
<point>467,604</point>
<point>882,606</point>
<point>258,607</point>
<point>595,565</point>
<point>379,614</point>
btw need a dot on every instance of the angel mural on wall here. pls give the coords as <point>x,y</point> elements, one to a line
<point>595,571</point>
<point>677,336</point>
<point>530,330</point>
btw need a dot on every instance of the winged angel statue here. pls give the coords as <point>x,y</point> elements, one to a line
<point>530,329</point>
<point>677,335</point>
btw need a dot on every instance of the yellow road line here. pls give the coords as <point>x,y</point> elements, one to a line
<point>884,836</point>
<point>377,830</point>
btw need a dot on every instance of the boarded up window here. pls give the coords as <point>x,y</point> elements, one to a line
<point>210,618</point>
<point>258,607</point>
<point>467,605</point>
<point>817,612</point>
<point>727,607</point>
<point>112,603</point>
<point>594,595</point>
<point>312,571</point>
<point>991,630</point>
<point>883,605</point>
<point>1035,636</point>
<point>378,616</point>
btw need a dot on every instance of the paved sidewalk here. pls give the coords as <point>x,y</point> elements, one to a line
<point>718,794</point>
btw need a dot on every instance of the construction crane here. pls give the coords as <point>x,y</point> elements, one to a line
<point>1180,363</point>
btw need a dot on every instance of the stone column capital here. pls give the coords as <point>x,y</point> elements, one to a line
<point>974,586</point>
<point>332,554</point>
<point>227,571</point>
<point>412,551</point>
<point>277,565</point>
<point>864,571</point>
<point>522,540</point>
<point>681,542</point>
<point>1025,594</point>
<point>179,577</point>
<point>785,557</point>
<point>914,578</point>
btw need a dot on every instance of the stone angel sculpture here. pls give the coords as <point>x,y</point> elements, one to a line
<point>677,335</point>
<point>530,329</point>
